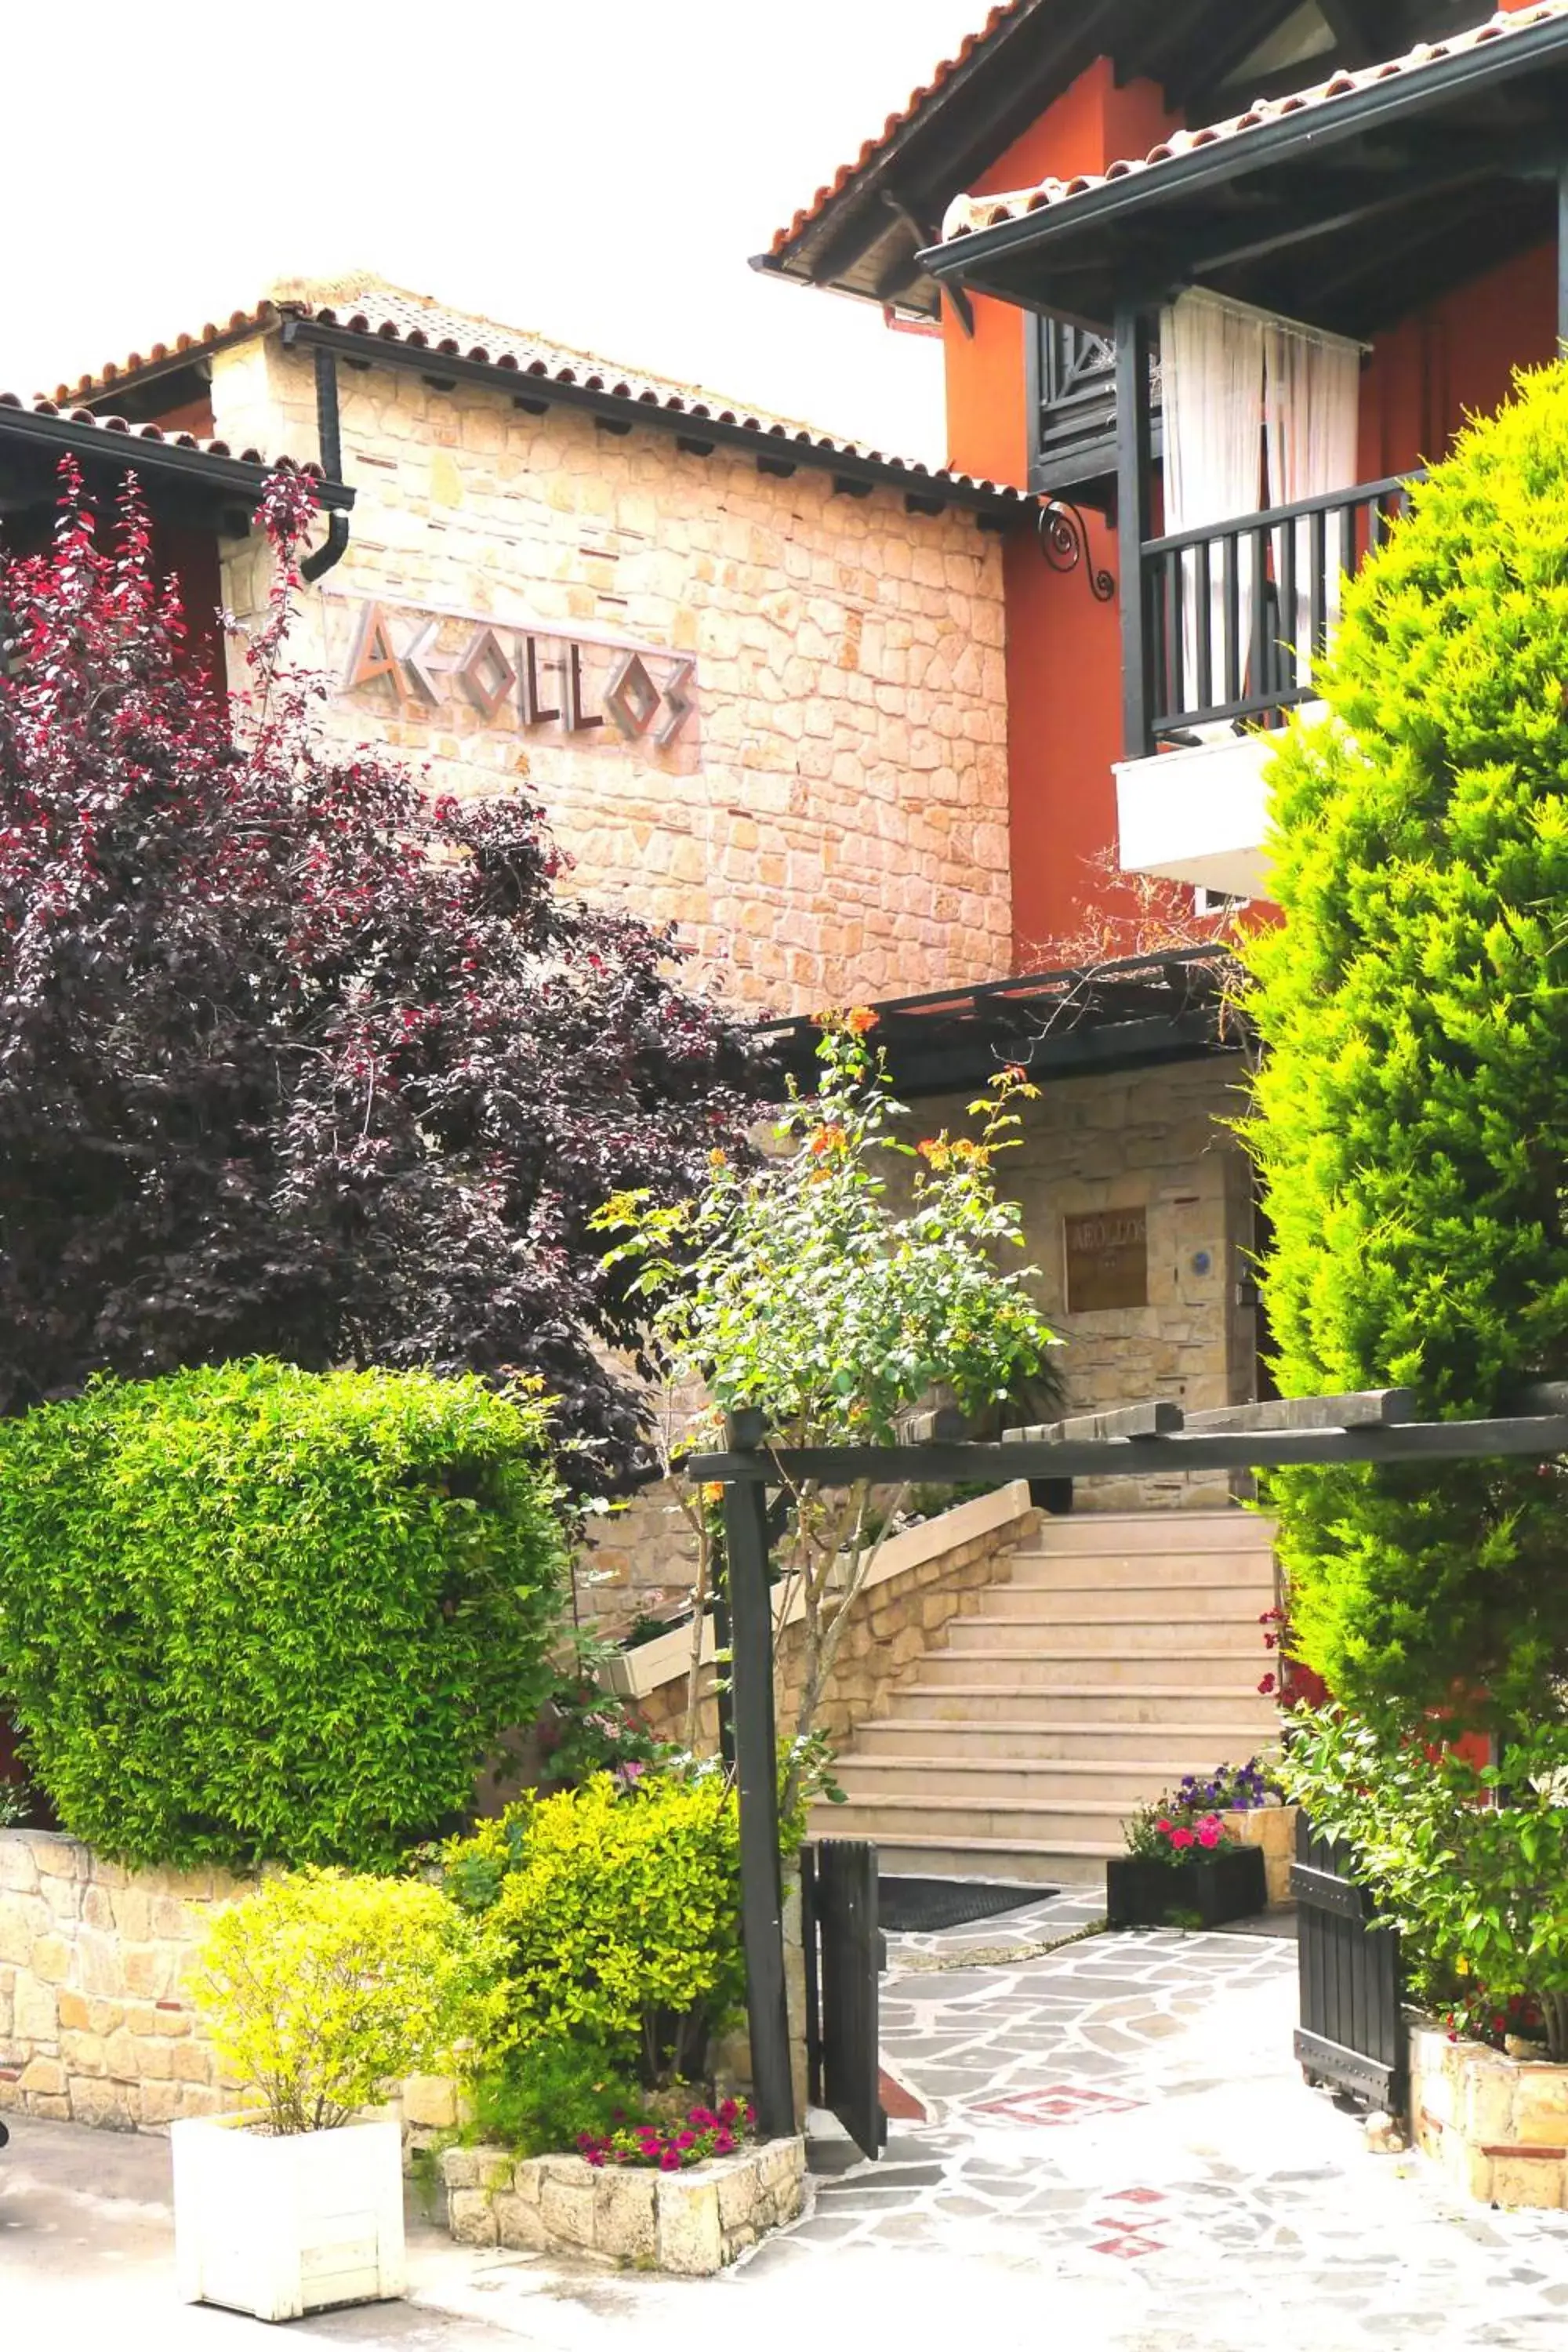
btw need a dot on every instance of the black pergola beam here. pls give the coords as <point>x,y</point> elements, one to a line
<point>781,449</point>
<point>1534,1437</point>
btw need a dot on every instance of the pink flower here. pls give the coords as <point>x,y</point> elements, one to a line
<point>1182,1839</point>
<point>1210,1832</point>
<point>669,2161</point>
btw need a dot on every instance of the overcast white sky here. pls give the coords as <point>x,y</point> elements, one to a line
<point>599,170</point>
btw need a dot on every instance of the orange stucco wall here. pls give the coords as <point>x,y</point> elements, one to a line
<point>1457,359</point>
<point>1064,658</point>
<point>1094,123</point>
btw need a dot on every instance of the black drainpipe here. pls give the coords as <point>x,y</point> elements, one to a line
<point>330,441</point>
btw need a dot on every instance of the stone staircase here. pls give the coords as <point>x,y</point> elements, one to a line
<point>1124,1651</point>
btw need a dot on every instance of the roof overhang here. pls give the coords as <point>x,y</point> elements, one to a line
<point>776,448</point>
<point>184,481</point>
<point>1348,212</point>
<point>1135,1013</point>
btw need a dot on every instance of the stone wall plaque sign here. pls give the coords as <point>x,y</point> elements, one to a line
<point>525,676</point>
<point>1107,1260</point>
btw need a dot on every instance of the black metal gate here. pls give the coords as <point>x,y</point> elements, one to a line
<point>843,1954</point>
<point>1352,2032</point>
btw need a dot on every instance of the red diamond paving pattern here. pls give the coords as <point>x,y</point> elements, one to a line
<point>1057,2105</point>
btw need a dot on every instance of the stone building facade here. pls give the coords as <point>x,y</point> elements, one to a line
<point>817,797</point>
<point>758,683</point>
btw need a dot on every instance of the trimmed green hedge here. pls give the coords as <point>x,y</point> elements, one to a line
<point>255,1614</point>
<point>1413,1099</point>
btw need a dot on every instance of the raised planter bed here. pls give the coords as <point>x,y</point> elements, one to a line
<point>690,2223</point>
<point>1228,1884</point>
<point>1497,2125</point>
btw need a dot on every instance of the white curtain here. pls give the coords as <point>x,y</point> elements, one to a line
<point>1311,398</point>
<point>1212,367</point>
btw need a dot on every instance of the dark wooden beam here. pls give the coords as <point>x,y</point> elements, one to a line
<point>1189,59</point>
<point>1536,1437</point>
<point>1134,487</point>
<point>1350,21</point>
<point>1563,254</point>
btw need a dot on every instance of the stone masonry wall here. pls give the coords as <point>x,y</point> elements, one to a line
<point>1150,1140</point>
<point>1497,2125</point>
<point>831,825</point>
<point>95,2026</point>
<point>895,1623</point>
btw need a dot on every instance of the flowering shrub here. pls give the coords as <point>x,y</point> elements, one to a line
<point>672,2147</point>
<point>1172,1833</point>
<point>1229,1788</point>
<point>797,1289</point>
<point>1468,1860</point>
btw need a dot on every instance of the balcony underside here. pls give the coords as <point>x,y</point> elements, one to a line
<point>1198,816</point>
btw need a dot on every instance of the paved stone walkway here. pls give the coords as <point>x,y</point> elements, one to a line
<point>1121,2121</point>
<point>1119,2156</point>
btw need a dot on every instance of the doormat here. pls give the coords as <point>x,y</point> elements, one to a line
<point>914,1907</point>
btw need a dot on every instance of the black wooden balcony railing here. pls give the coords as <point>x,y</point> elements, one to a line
<point>1235,613</point>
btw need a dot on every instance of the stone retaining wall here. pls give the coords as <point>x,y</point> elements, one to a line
<point>95,2026</point>
<point>1497,2125</point>
<point>920,1582</point>
<point>1272,1827</point>
<point>692,2223</point>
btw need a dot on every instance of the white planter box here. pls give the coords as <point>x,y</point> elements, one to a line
<point>281,2227</point>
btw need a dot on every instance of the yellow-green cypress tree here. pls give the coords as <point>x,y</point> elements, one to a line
<point>1412,1103</point>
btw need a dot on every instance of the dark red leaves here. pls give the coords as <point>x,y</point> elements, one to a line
<point>272,1076</point>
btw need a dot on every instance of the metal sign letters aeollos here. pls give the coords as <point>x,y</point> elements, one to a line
<point>524,674</point>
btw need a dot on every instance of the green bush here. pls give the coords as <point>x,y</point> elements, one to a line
<point>1413,1100</point>
<point>322,1991</point>
<point>619,1912</point>
<point>565,2091</point>
<point>1468,1863</point>
<point>254,1614</point>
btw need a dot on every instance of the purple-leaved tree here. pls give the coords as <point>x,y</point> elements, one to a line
<point>294,1060</point>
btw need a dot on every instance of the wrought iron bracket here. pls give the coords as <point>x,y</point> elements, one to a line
<point>1064,544</point>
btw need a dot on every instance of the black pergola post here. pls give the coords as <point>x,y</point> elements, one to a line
<point>1563,254</point>
<point>756,1774</point>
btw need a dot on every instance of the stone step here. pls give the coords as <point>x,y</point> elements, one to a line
<point>1130,1532</point>
<point>1062,1785</point>
<point>1174,1748</point>
<point>1142,1571</point>
<point>1233,1631</point>
<point>1089,1699</point>
<point>1007,1860</point>
<point>958,1820</point>
<point>1067,1665</point>
<point>1166,1604</point>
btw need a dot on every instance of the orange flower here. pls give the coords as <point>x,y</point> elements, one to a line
<point>861,1021</point>
<point>826,1140</point>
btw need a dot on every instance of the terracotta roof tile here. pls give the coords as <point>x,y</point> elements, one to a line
<point>40,406</point>
<point>384,313</point>
<point>917,102</point>
<point>967,216</point>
